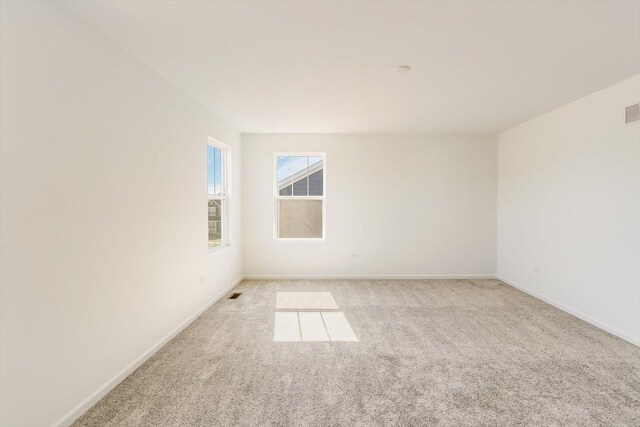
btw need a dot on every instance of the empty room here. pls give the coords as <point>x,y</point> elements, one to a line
<point>319,213</point>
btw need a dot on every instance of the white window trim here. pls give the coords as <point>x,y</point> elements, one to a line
<point>277,196</point>
<point>225,161</point>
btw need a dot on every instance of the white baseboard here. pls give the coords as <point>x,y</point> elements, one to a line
<point>102,391</point>
<point>595,322</point>
<point>369,277</point>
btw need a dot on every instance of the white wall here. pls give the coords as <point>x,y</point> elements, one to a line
<point>569,204</point>
<point>103,209</point>
<point>407,205</point>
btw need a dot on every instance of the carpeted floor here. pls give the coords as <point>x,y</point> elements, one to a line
<point>430,352</point>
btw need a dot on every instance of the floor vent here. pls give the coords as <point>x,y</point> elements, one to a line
<point>235,295</point>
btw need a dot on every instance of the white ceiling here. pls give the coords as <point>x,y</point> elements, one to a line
<point>326,66</point>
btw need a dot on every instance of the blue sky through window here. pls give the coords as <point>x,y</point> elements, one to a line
<point>290,165</point>
<point>214,170</point>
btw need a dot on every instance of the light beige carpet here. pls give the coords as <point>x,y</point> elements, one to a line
<point>429,352</point>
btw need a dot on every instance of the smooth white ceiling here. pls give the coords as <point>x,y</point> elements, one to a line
<point>326,66</point>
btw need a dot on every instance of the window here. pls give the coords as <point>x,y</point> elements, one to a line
<point>299,196</point>
<point>217,157</point>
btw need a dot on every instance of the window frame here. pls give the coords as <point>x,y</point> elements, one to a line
<point>225,156</point>
<point>277,196</point>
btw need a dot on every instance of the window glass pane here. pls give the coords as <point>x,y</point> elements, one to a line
<point>292,175</point>
<point>285,191</point>
<point>215,223</point>
<point>299,218</point>
<point>316,162</point>
<point>316,178</point>
<point>298,165</point>
<point>284,168</point>
<point>299,177</point>
<point>284,175</point>
<point>210,169</point>
<point>217,161</point>
<point>300,186</point>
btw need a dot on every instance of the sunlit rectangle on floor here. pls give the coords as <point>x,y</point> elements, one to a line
<point>312,327</point>
<point>338,327</point>
<point>305,301</point>
<point>286,327</point>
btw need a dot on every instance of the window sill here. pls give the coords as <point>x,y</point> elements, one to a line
<point>217,249</point>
